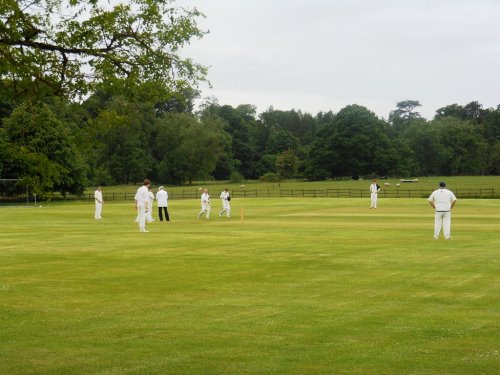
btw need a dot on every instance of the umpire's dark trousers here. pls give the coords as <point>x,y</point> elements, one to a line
<point>167,218</point>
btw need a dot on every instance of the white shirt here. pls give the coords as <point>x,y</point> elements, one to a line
<point>224,195</point>
<point>151,197</point>
<point>373,188</point>
<point>442,198</point>
<point>205,198</point>
<point>142,196</point>
<point>162,198</point>
<point>98,196</point>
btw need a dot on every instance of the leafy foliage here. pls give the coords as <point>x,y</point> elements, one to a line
<point>42,151</point>
<point>66,46</point>
<point>354,143</point>
<point>188,148</point>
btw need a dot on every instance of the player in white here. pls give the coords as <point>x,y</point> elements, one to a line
<point>141,204</point>
<point>98,203</point>
<point>162,199</point>
<point>205,204</point>
<point>442,200</point>
<point>151,198</point>
<point>374,189</point>
<point>225,197</point>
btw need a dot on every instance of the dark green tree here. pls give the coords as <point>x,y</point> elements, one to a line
<point>225,162</point>
<point>494,159</point>
<point>240,121</point>
<point>280,141</point>
<point>42,151</point>
<point>355,143</point>
<point>452,110</point>
<point>405,113</point>
<point>473,112</point>
<point>464,150</point>
<point>122,141</point>
<point>296,122</point>
<point>266,164</point>
<point>287,164</point>
<point>423,141</point>
<point>491,125</point>
<point>188,148</point>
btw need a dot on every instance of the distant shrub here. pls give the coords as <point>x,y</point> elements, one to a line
<point>269,177</point>
<point>316,174</point>
<point>101,177</point>
<point>235,177</point>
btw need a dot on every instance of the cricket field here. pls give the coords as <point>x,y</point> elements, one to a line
<point>285,286</point>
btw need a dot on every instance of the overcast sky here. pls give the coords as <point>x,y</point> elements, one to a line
<point>321,55</point>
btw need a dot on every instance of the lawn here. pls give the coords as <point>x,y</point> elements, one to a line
<point>297,286</point>
<point>425,185</point>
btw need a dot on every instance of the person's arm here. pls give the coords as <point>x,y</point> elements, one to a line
<point>453,200</point>
<point>136,198</point>
<point>431,200</point>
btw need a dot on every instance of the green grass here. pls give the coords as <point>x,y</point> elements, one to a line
<point>300,286</point>
<point>424,183</point>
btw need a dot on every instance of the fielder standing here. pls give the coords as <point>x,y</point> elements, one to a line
<point>98,203</point>
<point>374,189</point>
<point>442,200</point>
<point>141,204</point>
<point>225,197</point>
<point>205,204</point>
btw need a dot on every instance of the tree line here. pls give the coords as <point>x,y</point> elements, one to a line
<point>120,136</point>
<point>100,95</point>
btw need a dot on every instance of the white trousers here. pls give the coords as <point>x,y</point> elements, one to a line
<point>205,209</point>
<point>98,210</point>
<point>225,207</point>
<point>442,219</point>
<point>373,200</point>
<point>149,214</point>
<point>141,215</point>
